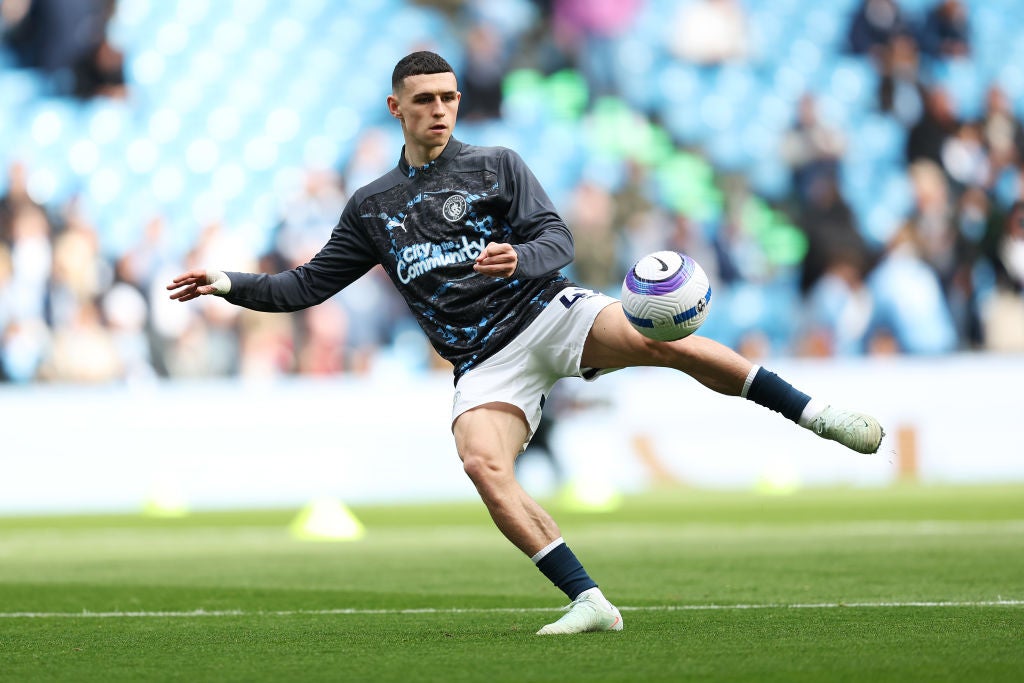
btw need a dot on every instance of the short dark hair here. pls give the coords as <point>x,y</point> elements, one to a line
<point>418,64</point>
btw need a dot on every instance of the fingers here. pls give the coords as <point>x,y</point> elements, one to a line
<point>189,286</point>
<point>497,260</point>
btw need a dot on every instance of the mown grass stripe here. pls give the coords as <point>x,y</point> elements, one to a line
<point>501,610</point>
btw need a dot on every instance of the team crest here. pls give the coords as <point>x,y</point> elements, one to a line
<point>454,208</point>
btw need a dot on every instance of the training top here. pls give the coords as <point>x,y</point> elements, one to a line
<point>426,225</point>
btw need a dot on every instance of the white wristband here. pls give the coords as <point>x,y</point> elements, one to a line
<point>220,282</point>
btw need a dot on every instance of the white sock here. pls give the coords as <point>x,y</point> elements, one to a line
<point>749,380</point>
<point>547,549</point>
<point>813,409</point>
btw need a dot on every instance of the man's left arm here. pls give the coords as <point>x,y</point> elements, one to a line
<point>545,243</point>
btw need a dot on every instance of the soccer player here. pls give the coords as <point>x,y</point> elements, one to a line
<point>474,245</point>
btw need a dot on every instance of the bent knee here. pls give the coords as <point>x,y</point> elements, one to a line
<point>483,469</point>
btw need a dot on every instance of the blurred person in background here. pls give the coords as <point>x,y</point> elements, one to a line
<point>973,217</point>
<point>833,235</point>
<point>710,32</point>
<point>590,32</point>
<point>910,304</point>
<point>874,25</point>
<point>475,246</point>
<point>946,32</point>
<point>931,226</point>
<point>927,138</point>
<point>965,159</point>
<point>901,88</point>
<point>25,337</point>
<point>126,312</point>
<point>487,62</point>
<point>838,310</point>
<point>589,215</point>
<point>1003,310</point>
<point>64,39</point>
<point>6,301</point>
<point>100,73</point>
<point>14,200</point>
<point>1002,132</point>
<point>83,350</point>
<point>811,148</point>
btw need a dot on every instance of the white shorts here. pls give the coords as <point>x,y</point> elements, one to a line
<point>523,373</point>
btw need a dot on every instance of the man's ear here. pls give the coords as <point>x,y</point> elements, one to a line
<point>393,107</point>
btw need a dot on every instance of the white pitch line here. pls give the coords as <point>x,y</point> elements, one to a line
<point>494,610</point>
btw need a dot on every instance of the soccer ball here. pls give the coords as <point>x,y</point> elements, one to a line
<point>666,296</point>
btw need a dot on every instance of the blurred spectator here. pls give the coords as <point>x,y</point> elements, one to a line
<point>480,80</point>
<point>126,312</point>
<point>1009,255</point>
<point>833,237</point>
<point>936,126</point>
<point>14,200</point>
<point>323,338</point>
<point>838,310</point>
<point>589,31</point>
<point>1002,132</point>
<point>874,25</point>
<point>266,345</point>
<point>909,302</point>
<point>686,235</point>
<point>6,301</point>
<point>812,149</point>
<point>100,73</point>
<point>901,90</point>
<point>83,350</point>
<point>965,159</point>
<point>28,260</point>
<point>589,216</point>
<point>375,311</point>
<point>710,32</point>
<point>1004,311</point>
<point>946,31</point>
<point>80,274</point>
<point>308,216</point>
<point>56,35</point>
<point>31,261</point>
<point>642,232</point>
<point>930,227</point>
<point>371,158</point>
<point>973,217</point>
<point>142,261</point>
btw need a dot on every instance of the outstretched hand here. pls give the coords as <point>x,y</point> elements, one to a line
<point>497,260</point>
<point>196,283</point>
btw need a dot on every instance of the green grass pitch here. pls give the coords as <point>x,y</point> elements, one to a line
<point>901,584</point>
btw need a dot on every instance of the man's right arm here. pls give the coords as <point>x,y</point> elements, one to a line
<point>347,255</point>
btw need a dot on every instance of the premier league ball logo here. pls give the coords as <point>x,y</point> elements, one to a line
<point>454,208</point>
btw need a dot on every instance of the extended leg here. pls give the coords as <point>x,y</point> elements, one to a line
<point>613,343</point>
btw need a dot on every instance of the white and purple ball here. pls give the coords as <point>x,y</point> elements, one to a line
<point>666,296</point>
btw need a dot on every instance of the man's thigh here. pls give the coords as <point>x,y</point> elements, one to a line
<point>495,431</point>
<point>613,343</point>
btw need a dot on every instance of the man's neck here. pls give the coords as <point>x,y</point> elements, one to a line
<point>421,156</point>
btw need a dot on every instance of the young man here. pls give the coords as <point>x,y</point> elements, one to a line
<point>474,245</point>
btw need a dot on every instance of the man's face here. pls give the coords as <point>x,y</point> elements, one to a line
<point>427,105</point>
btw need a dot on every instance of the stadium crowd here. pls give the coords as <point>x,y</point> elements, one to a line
<point>949,277</point>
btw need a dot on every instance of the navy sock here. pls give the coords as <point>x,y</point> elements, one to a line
<point>565,571</point>
<point>773,392</point>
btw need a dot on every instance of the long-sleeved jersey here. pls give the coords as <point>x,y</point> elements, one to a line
<point>426,226</point>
